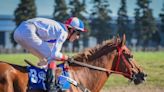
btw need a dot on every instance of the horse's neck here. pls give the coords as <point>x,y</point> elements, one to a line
<point>91,79</point>
<point>94,79</point>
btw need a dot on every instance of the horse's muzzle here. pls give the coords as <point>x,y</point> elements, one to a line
<point>139,78</point>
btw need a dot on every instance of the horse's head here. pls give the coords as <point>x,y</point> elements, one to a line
<point>112,56</point>
<point>125,64</point>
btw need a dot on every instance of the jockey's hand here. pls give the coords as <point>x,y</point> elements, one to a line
<point>70,60</point>
<point>66,66</point>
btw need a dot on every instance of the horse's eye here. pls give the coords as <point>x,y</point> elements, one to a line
<point>131,56</point>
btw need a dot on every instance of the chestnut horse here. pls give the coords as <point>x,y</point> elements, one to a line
<point>112,56</point>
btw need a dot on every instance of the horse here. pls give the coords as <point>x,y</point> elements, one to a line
<point>91,69</point>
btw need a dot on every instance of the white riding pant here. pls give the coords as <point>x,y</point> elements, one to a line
<point>26,36</point>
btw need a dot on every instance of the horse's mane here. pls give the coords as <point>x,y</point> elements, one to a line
<point>90,54</point>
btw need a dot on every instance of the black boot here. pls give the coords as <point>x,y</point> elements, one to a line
<point>51,84</point>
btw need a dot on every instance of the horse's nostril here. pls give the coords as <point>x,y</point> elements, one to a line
<point>139,78</point>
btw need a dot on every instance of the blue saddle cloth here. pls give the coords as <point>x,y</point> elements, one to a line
<point>37,78</point>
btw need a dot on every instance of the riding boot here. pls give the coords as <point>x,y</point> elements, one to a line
<point>51,84</point>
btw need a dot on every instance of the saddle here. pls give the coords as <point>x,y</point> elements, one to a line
<point>37,77</point>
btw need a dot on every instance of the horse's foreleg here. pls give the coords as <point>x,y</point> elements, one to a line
<point>23,83</point>
<point>8,86</point>
<point>1,87</point>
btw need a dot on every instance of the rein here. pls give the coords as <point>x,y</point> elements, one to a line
<point>120,55</point>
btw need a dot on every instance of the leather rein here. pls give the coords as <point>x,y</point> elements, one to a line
<point>108,71</point>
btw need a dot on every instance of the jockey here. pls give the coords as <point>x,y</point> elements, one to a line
<point>44,38</point>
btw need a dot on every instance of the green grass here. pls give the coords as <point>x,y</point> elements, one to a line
<point>18,58</point>
<point>152,62</point>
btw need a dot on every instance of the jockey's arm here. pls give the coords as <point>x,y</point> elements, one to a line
<point>56,52</point>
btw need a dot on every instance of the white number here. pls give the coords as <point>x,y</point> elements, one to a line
<point>34,77</point>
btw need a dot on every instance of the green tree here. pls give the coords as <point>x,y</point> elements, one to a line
<point>60,10</point>
<point>161,15</point>
<point>137,27</point>
<point>25,10</point>
<point>77,7</point>
<point>101,20</point>
<point>123,21</point>
<point>148,26</point>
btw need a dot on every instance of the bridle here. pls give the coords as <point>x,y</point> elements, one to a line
<point>109,71</point>
<point>127,64</point>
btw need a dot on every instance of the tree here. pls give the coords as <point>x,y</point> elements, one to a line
<point>137,27</point>
<point>61,10</point>
<point>123,21</point>
<point>161,15</point>
<point>77,8</point>
<point>25,10</point>
<point>148,26</point>
<point>101,20</point>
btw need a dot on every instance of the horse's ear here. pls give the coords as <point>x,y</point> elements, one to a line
<point>123,40</point>
<point>117,39</point>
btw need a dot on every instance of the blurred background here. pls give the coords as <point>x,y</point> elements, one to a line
<point>141,20</point>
